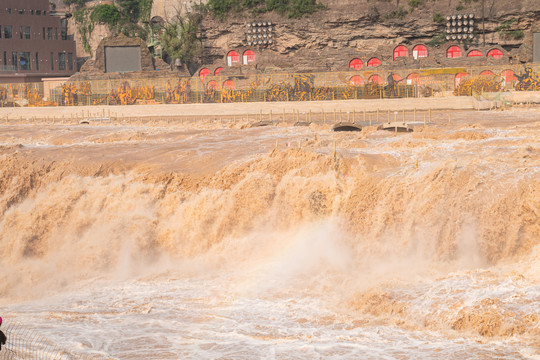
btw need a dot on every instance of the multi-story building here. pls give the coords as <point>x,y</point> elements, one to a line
<point>33,42</point>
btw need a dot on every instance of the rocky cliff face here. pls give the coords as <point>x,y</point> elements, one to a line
<point>328,39</point>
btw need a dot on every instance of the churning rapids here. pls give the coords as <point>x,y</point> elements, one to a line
<point>213,240</point>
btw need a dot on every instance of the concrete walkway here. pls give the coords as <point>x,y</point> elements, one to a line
<point>142,111</point>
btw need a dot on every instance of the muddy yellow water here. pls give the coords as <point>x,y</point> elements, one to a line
<point>214,239</point>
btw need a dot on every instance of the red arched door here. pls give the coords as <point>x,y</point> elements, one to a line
<point>413,78</point>
<point>249,57</point>
<point>474,53</point>
<point>376,79</point>
<point>495,53</point>
<point>373,62</point>
<point>458,78</point>
<point>509,76</point>
<point>229,84</point>
<point>213,85</point>
<point>356,80</point>
<point>233,58</point>
<point>400,51</point>
<point>204,73</point>
<point>356,64</point>
<point>217,71</point>
<point>420,51</point>
<point>454,52</point>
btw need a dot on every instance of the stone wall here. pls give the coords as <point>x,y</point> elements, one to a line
<point>329,39</point>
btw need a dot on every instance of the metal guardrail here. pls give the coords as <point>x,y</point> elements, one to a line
<point>367,83</point>
<point>25,344</point>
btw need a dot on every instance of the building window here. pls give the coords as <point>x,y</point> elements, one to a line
<point>63,29</point>
<point>217,71</point>
<point>61,61</point>
<point>55,33</point>
<point>8,33</point>
<point>373,62</point>
<point>38,12</point>
<point>9,10</point>
<point>37,61</point>
<point>27,33</point>
<point>419,51</point>
<point>31,12</point>
<point>233,58</point>
<point>21,11</point>
<point>495,53</point>
<point>204,73</point>
<point>0,31</point>
<point>21,32</point>
<point>70,61</point>
<point>401,51</point>
<point>356,64</point>
<point>474,53</point>
<point>453,52</point>
<point>24,60</point>
<point>52,61</point>
<point>14,60</point>
<point>44,33</point>
<point>49,33</point>
<point>249,57</point>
